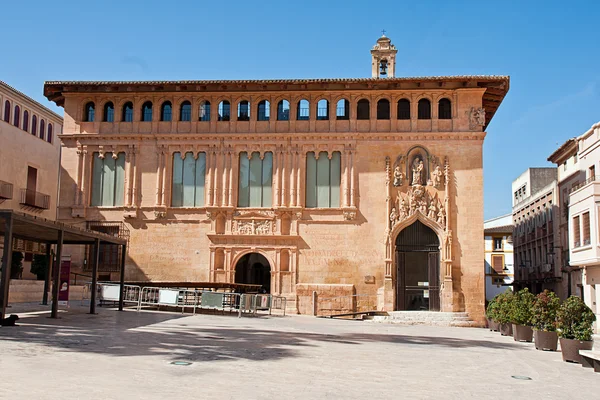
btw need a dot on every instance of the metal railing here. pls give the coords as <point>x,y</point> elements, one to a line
<point>73,279</point>
<point>35,199</point>
<point>575,187</point>
<point>6,190</point>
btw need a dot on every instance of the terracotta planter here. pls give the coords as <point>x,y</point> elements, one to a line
<point>545,340</point>
<point>522,333</point>
<point>506,329</point>
<point>570,349</point>
<point>493,325</point>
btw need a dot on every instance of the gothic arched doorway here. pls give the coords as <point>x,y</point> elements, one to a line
<point>254,268</point>
<point>417,268</point>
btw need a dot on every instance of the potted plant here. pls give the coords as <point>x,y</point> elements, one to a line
<point>520,315</point>
<point>574,323</point>
<point>505,301</point>
<point>544,309</point>
<point>491,314</point>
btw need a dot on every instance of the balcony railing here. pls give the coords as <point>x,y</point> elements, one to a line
<point>582,184</point>
<point>35,199</point>
<point>6,190</point>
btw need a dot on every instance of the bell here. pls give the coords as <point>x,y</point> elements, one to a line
<point>383,68</point>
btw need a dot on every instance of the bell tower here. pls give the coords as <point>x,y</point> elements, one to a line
<point>383,58</point>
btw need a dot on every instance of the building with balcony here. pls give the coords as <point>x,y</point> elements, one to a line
<point>499,260</point>
<point>584,218</point>
<point>535,234</point>
<point>29,161</point>
<point>569,175</point>
<point>362,186</point>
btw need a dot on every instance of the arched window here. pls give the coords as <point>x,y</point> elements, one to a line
<point>424,111</point>
<point>34,125</point>
<point>243,111</point>
<point>109,112</point>
<point>49,136</point>
<point>204,111</point>
<point>283,110</point>
<point>444,109</point>
<point>166,111</point>
<point>17,119</point>
<point>89,112</point>
<point>303,113</point>
<point>147,111</point>
<point>323,110</point>
<point>7,110</point>
<point>264,110</point>
<point>224,111</point>
<point>383,109</point>
<point>185,111</point>
<point>403,109</point>
<point>42,129</point>
<point>26,121</point>
<point>363,109</point>
<point>342,110</point>
<point>127,114</point>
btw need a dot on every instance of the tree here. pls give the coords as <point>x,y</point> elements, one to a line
<point>39,266</point>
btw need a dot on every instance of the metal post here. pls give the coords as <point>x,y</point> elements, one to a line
<point>122,278</point>
<point>56,275</point>
<point>6,263</point>
<point>94,276</point>
<point>315,300</point>
<point>49,260</point>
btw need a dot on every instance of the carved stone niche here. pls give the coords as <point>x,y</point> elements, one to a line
<point>253,223</point>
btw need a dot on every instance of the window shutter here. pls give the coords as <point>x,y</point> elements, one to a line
<point>497,263</point>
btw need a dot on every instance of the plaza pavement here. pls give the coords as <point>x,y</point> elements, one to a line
<point>128,355</point>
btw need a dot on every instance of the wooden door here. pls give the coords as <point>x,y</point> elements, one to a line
<point>400,281</point>
<point>433,263</point>
<point>31,185</point>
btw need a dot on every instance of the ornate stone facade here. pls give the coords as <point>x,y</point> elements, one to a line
<point>426,169</point>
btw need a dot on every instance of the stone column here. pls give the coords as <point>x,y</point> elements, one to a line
<point>209,172</point>
<point>346,175</point>
<point>231,181</point>
<point>284,171</point>
<point>301,164</point>
<point>159,174</point>
<point>293,172</point>
<point>86,162</point>
<point>352,181</point>
<point>80,154</point>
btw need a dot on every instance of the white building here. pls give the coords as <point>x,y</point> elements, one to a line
<point>584,218</point>
<point>499,260</point>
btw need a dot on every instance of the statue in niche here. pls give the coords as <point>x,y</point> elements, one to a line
<point>417,169</point>
<point>440,218</point>
<point>432,211</point>
<point>393,216</point>
<point>436,177</point>
<point>403,213</point>
<point>397,176</point>
<point>423,206</point>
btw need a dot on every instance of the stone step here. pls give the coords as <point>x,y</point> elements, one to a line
<point>425,318</point>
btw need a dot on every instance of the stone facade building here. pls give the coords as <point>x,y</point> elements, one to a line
<point>535,238</point>
<point>370,186</point>
<point>29,162</point>
<point>499,258</point>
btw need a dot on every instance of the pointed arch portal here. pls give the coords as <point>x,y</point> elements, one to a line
<point>417,268</point>
<point>254,268</point>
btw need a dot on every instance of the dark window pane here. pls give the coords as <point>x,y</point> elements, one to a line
<point>403,109</point>
<point>424,111</point>
<point>362,109</point>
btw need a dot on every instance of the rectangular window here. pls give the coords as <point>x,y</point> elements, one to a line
<point>576,232</point>
<point>498,244</point>
<point>255,180</point>
<point>592,173</point>
<point>323,177</point>
<point>498,263</point>
<point>108,180</point>
<point>189,176</point>
<point>586,228</point>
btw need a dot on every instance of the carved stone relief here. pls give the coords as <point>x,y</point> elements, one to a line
<point>476,117</point>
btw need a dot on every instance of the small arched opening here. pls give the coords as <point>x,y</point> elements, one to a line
<point>254,268</point>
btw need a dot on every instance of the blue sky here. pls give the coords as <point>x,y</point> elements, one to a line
<point>550,49</point>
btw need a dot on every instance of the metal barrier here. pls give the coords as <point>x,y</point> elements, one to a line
<point>109,292</point>
<point>173,297</point>
<point>278,303</point>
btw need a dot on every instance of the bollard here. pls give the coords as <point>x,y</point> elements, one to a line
<point>315,303</point>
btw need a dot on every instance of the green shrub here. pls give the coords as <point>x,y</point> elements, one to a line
<point>575,319</point>
<point>544,310</point>
<point>521,310</point>
<point>504,301</point>
<point>492,310</point>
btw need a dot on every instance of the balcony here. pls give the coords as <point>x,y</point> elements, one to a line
<point>6,190</point>
<point>34,199</point>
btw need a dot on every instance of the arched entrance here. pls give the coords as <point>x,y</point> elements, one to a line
<point>254,268</point>
<point>417,268</point>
